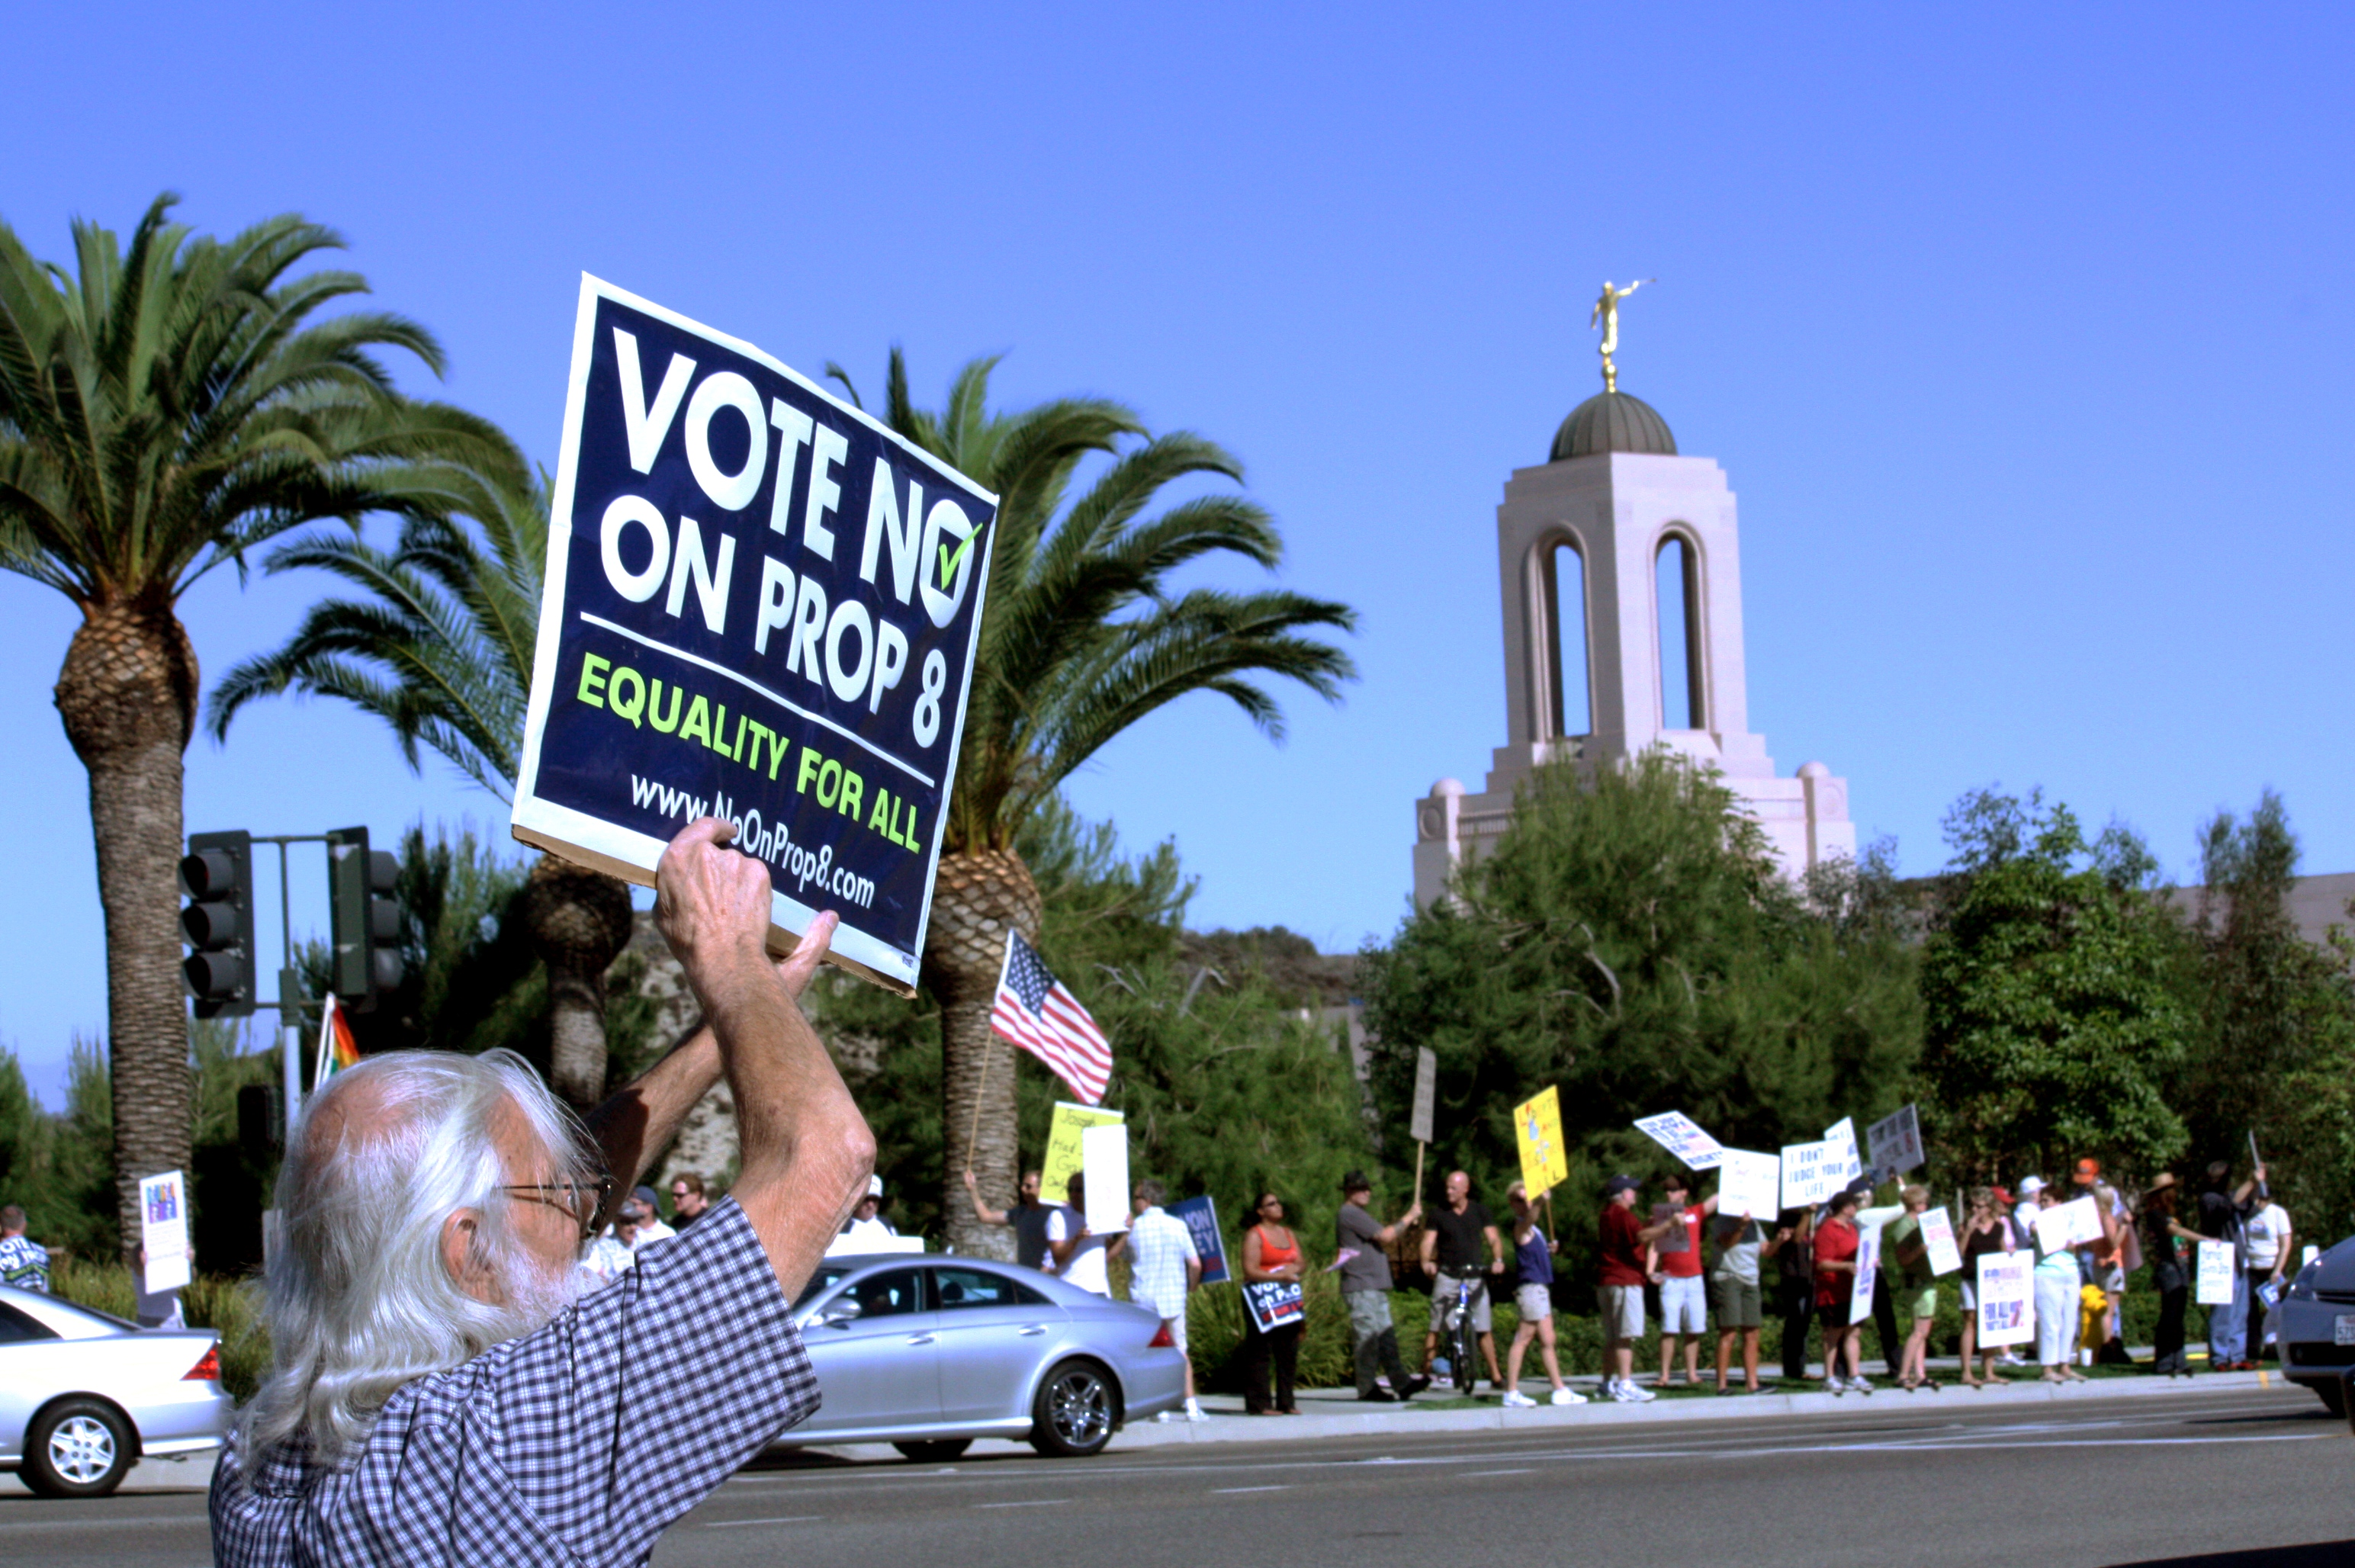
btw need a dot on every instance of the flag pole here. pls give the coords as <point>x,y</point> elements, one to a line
<point>989,1045</point>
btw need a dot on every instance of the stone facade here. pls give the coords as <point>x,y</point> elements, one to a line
<point>1619,511</point>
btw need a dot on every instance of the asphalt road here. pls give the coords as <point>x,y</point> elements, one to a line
<point>2259,1477</point>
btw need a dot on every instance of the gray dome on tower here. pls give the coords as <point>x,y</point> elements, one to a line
<point>1613,421</point>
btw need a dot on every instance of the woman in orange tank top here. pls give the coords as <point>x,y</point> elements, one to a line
<point>1271,1256</point>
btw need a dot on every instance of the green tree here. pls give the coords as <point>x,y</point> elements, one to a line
<point>1084,635</point>
<point>1631,941</point>
<point>165,407</point>
<point>2050,982</point>
<point>440,646</point>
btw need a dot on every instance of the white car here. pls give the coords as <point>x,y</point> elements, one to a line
<point>84,1396</point>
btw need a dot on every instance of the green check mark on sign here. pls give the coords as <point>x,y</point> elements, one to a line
<point>949,562</point>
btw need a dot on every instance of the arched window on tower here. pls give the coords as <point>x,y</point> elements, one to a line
<point>1565,578</point>
<point>1676,591</point>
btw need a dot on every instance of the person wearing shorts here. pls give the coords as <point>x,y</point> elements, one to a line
<point>1534,1298</point>
<point>1735,1299</point>
<point>1913,1285</point>
<point>1453,1244</point>
<point>1675,1270</point>
<point>1619,1281</point>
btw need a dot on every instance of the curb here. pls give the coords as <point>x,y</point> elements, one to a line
<point>1496,1418</point>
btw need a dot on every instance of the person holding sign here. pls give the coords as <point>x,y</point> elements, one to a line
<point>1167,1268</point>
<point>1366,1286</point>
<point>1272,1255</point>
<point>2164,1239</point>
<point>2223,1213</point>
<point>2059,1275</point>
<point>1080,1256</point>
<point>1673,1264</point>
<point>1733,1293</point>
<point>1915,1287</point>
<point>1986,1231</point>
<point>1534,1251</point>
<point>1620,1274</point>
<point>1837,1244</point>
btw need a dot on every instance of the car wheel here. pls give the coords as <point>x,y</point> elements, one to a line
<point>934,1450</point>
<point>2333,1395</point>
<point>78,1449</point>
<point>1072,1416</point>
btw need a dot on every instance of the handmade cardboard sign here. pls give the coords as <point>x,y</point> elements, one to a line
<point>1749,1184</point>
<point>1809,1174</point>
<point>164,1231</point>
<point>1103,1154</point>
<point>1895,1144</point>
<point>1426,1092</point>
<point>761,605</point>
<point>1680,1135</point>
<point>1938,1236</point>
<point>1537,1127</point>
<point>2215,1281</point>
<point>2065,1224</point>
<point>1868,1267</point>
<point>1201,1217</point>
<point>1065,1154</point>
<point>2007,1296</point>
<point>1840,1137</point>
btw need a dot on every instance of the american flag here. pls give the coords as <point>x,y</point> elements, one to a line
<point>1035,1011</point>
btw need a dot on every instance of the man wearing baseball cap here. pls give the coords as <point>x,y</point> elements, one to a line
<point>1620,1276</point>
<point>1360,1241</point>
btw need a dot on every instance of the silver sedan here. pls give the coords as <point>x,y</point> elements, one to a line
<point>84,1396</point>
<point>929,1352</point>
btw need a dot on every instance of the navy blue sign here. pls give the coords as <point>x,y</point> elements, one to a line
<point>1202,1222</point>
<point>761,605</point>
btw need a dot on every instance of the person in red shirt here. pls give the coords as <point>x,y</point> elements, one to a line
<point>1684,1300</point>
<point>1835,1242</point>
<point>1620,1276</point>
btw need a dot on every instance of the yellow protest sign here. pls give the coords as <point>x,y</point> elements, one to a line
<point>1536,1127</point>
<point>1062,1161</point>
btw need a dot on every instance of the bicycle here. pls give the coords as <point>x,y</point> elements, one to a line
<point>1457,1337</point>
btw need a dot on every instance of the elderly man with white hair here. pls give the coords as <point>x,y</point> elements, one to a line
<point>441,1390</point>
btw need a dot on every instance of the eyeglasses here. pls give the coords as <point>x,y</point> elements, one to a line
<point>584,1200</point>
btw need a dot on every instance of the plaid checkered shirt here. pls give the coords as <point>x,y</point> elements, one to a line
<point>1159,1247</point>
<point>578,1443</point>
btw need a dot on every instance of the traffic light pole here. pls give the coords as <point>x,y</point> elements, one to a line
<point>290,984</point>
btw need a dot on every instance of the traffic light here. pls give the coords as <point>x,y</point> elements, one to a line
<point>217,874</point>
<point>365,917</point>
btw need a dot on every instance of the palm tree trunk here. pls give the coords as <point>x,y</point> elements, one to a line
<point>127,693</point>
<point>977,898</point>
<point>580,922</point>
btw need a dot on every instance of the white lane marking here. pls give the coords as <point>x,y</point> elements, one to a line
<point>1484,1474</point>
<point>1232,1491</point>
<point>1032,1502</point>
<point>787,1518</point>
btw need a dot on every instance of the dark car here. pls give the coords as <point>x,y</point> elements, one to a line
<point>2315,1325</point>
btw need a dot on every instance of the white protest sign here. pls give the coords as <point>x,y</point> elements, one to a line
<point>164,1231</point>
<point>2065,1224</point>
<point>1103,1155</point>
<point>1427,1088</point>
<point>1749,1184</point>
<point>2007,1298</point>
<point>1868,1266</point>
<point>1676,1133</point>
<point>1840,1136</point>
<point>1808,1174</point>
<point>1938,1236</point>
<point>2215,1288</point>
<point>1895,1144</point>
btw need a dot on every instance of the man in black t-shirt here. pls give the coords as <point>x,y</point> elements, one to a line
<point>1459,1236</point>
<point>1028,1218</point>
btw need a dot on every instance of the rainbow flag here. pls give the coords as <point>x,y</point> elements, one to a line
<point>337,1049</point>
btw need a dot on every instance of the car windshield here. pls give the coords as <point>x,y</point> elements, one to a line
<point>828,1277</point>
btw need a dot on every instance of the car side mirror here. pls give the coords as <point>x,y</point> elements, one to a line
<point>840,1313</point>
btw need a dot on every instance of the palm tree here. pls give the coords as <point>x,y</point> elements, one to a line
<point>1082,638</point>
<point>163,408</point>
<point>441,651</point>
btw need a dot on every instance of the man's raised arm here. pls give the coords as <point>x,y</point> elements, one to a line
<point>807,1152</point>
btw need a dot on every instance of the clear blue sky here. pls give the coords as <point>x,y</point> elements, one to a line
<point>2023,337</point>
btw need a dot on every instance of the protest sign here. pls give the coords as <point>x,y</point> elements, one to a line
<point>2065,1224</point>
<point>1749,1184</point>
<point>1938,1237</point>
<point>1427,1088</point>
<point>1536,1127</point>
<point>1895,1144</point>
<point>2007,1296</point>
<point>1103,1155</point>
<point>1274,1303</point>
<point>1680,1135</point>
<point>1201,1217</point>
<point>1808,1174</point>
<point>1840,1137</point>
<point>2215,1286</point>
<point>1868,1266</point>
<point>761,605</point>
<point>1064,1154</point>
<point>164,1231</point>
